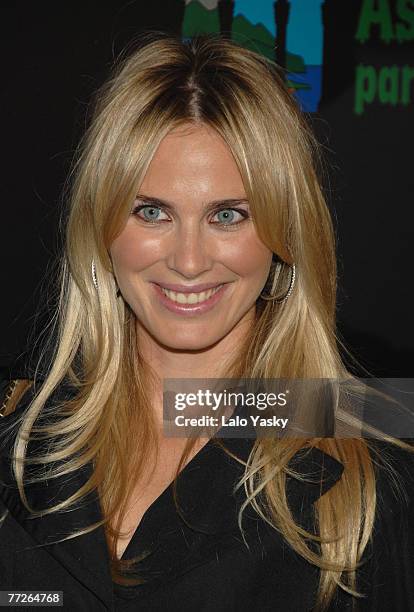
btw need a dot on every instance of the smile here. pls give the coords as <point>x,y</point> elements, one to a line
<point>190,298</point>
<point>190,304</point>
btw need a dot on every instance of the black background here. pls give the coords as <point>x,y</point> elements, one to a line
<point>56,54</point>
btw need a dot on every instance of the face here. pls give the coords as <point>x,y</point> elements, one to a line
<point>189,261</point>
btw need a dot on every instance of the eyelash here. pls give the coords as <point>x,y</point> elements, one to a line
<point>228,226</point>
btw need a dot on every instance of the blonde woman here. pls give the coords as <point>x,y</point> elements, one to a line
<point>198,245</point>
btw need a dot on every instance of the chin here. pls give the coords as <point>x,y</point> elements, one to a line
<point>195,341</point>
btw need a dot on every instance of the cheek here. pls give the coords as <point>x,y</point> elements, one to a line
<point>247,256</point>
<point>133,252</point>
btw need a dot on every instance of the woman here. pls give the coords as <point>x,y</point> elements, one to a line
<point>198,245</point>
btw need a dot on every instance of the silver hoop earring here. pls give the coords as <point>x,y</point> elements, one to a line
<point>93,272</point>
<point>279,300</point>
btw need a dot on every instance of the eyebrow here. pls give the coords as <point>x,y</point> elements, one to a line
<point>208,206</point>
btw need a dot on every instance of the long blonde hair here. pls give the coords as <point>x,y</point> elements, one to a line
<point>239,93</point>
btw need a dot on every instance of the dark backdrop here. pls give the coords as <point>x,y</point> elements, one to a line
<point>56,54</point>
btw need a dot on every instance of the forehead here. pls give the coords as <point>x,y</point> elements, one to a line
<point>193,160</point>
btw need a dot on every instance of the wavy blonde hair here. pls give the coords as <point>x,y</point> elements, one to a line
<point>159,86</point>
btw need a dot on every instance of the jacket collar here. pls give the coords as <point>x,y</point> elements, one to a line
<point>205,497</point>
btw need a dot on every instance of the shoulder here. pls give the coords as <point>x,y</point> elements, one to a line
<point>17,393</point>
<point>12,391</point>
<point>387,571</point>
<point>16,396</point>
<point>393,468</point>
<point>394,471</point>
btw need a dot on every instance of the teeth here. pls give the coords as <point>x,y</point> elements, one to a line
<point>190,298</point>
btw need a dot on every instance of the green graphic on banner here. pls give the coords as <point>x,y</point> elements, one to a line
<point>298,35</point>
<point>390,85</point>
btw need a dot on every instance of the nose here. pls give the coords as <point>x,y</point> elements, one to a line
<point>190,252</point>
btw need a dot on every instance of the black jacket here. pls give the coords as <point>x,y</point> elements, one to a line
<point>200,562</point>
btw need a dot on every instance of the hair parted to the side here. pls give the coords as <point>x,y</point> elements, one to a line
<point>162,84</point>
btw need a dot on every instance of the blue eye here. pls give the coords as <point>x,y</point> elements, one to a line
<point>150,213</point>
<point>226,216</point>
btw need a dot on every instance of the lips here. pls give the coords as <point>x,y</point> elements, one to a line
<point>190,303</point>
